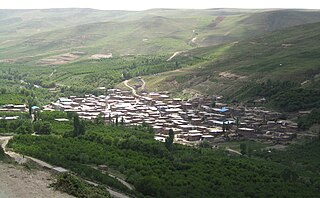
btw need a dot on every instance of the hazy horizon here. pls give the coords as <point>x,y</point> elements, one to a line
<point>140,5</point>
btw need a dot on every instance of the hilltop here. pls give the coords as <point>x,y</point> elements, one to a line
<point>289,54</point>
<point>43,33</point>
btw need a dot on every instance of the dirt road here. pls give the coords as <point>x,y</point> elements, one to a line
<point>173,55</point>
<point>17,182</point>
<point>143,84</point>
<point>17,157</point>
<point>233,151</point>
<point>23,159</point>
<point>134,92</point>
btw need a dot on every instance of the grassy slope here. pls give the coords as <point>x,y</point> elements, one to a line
<point>258,59</point>
<point>34,32</point>
<point>161,32</point>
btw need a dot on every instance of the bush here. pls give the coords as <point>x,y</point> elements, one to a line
<point>76,187</point>
<point>307,121</point>
<point>42,127</point>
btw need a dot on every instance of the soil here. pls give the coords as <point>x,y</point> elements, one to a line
<point>18,182</point>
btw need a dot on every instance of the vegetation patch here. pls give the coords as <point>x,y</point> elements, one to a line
<point>11,98</point>
<point>157,171</point>
<point>74,186</point>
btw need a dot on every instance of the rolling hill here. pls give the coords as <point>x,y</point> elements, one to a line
<point>290,54</point>
<point>220,51</point>
<point>55,31</point>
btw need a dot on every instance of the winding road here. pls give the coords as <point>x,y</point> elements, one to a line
<point>15,156</point>
<point>21,159</point>
<point>134,92</point>
<point>143,84</point>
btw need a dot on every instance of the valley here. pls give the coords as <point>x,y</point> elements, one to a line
<point>163,102</point>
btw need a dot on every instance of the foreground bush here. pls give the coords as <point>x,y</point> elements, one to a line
<point>78,188</point>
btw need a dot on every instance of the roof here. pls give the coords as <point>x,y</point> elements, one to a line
<point>65,100</point>
<point>61,120</point>
<point>207,136</point>
<point>161,139</point>
<point>246,129</point>
<point>223,109</point>
<point>195,134</point>
<point>35,107</point>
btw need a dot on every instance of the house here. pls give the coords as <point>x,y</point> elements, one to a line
<point>214,131</point>
<point>193,136</point>
<point>207,137</point>
<point>161,139</point>
<point>247,132</point>
<point>154,95</point>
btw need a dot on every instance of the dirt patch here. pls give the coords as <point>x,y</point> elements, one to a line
<point>61,59</point>
<point>286,45</point>
<point>227,33</point>
<point>7,61</point>
<point>101,56</point>
<point>216,21</point>
<point>16,182</point>
<point>228,75</point>
<point>174,55</point>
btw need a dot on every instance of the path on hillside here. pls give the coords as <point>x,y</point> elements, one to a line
<point>122,181</point>
<point>233,151</point>
<point>143,84</point>
<point>116,194</point>
<point>21,159</point>
<point>134,92</point>
<point>18,182</point>
<point>113,193</point>
<point>52,73</point>
<point>174,55</point>
<point>193,40</point>
<point>15,156</point>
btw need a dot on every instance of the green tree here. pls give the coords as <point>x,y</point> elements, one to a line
<point>243,148</point>
<point>122,121</point>
<point>25,127</point>
<point>224,127</point>
<point>117,120</point>
<point>315,129</point>
<point>169,140</point>
<point>237,123</point>
<point>42,127</point>
<point>213,103</point>
<point>148,185</point>
<point>289,175</point>
<point>78,126</point>
<point>99,119</point>
<point>46,128</point>
<point>205,144</point>
<point>3,90</point>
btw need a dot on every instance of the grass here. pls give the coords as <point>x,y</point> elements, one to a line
<point>159,33</point>
<point>257,60</point>
<point>122,32</point>
<point>252,144</point>
<point>11,98</point>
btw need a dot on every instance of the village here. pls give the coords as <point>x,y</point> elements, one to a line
<point>192,121</point>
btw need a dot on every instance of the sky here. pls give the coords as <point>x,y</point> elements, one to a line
<point>149,4</point>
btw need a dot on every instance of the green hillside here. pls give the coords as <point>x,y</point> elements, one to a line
<point>243,55</point>
<point>221,51</point>
<point>182,171</point>
<point>55,31</point>
<point>286,55</point>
